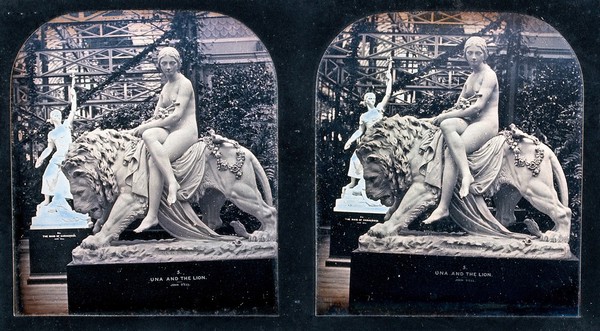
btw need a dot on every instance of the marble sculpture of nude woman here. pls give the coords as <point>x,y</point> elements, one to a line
<point>168,134</point>
<point>468,125</point>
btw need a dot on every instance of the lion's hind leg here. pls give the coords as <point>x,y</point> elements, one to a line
<point>249,200</point>
<point>211,204</point>
<point>544,198</point>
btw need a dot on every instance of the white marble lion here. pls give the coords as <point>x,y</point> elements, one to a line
<point>105,171</point>
<point>402,170</point>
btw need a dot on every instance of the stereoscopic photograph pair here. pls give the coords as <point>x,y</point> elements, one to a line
<point>146,160</point>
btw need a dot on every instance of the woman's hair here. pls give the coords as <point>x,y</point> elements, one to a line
<point>169,51</point>
<point>479,43</point>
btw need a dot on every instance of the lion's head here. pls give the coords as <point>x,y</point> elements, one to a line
<point>89,167</point>
<point>383,151</point>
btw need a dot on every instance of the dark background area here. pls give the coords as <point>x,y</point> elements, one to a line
<point>296,33</point>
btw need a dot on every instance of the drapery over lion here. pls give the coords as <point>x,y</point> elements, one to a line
<point>402,158</point>
<point>108,174</point>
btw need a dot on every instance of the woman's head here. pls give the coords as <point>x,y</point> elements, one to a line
<point>55,116</point>
<point>168,57</point>
<point>369,99</point>
<point>476,43</point>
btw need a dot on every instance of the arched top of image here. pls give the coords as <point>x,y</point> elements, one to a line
<point>427,51</point>
<point>113,56</point>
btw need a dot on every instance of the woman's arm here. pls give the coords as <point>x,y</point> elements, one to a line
<point>357,134</point>
<point>486,90</point>
<point>157,110</point>
<point>388,88</point>
<point>73,97</point>
<point>180,105</point>
<point>47,151</point>
<point>462,93</point>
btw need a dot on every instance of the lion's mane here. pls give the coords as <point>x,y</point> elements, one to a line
<point>93,154</point>
<point>389,142</point>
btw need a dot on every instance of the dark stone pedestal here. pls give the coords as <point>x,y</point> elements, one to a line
<point>345,230</point>
<point>212,287</point>
<point>404,284</point>
<point>50,249</point>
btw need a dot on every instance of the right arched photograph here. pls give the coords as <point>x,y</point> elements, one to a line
<point>449,167</point>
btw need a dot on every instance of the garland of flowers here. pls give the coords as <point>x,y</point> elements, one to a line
<point>462,103</point>
<point>165,112</point>
<point>520,161</point>
<point>222,165</point>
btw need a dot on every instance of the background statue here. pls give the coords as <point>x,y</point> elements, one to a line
<point>373,114</point>
<point>55,211</point>
<point>54,182</point>
<point>402,163</point>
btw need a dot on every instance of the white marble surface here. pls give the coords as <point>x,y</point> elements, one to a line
<point>59,215</point>
<point>174,250</point>
<point>461,244</point>
<point>354,200</point>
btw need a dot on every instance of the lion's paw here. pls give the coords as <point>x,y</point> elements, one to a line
<point>93,242</point>
<point>554,236</point>
<point>379,230</point>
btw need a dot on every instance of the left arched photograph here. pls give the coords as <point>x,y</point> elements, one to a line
<point>144,166</point>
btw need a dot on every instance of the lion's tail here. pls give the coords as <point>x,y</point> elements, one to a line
<point>261,175</point>
<point>561,180</point>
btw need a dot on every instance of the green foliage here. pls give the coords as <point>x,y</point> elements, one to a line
<point>29,132</point>
<point>126,117</point>
<point>241,105</point>
<point>30,63</point>
<point>426,107</point>
<point>184,27</point>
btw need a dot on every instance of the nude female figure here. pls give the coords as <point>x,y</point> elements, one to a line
<point>373,114</point>
<point>168,134</point>
<point>468,128</point>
